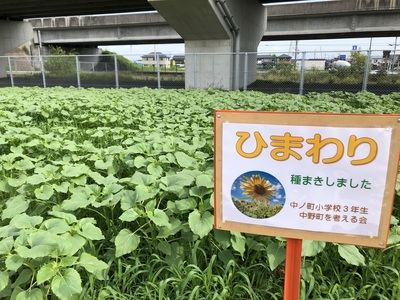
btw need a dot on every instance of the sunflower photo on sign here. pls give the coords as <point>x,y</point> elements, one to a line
<point>258,194</point>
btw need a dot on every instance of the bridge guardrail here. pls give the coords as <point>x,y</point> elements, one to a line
<point>299,73</point>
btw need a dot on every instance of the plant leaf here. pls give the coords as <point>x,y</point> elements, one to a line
<point>129,215</point>
<point>159,217</point>
<point>238,242</point>
<point>93,265</point>
<point>351,254</point>
<point>67,284</point>
<point>201,224</point>
<point>312,248</point>
<point>15,206</point>
<point>44,192</point>
<point>126,242</point>
<point>46,272</point>
<point>3,280</point>
<point>184,160</point>
<point>276,255</point>
<point>32,294</point>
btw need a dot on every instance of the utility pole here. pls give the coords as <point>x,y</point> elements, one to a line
<point>394,54</point>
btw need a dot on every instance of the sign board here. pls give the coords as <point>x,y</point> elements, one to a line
<point>354,48</point>
<point>328,177</point>
<point>342,57</point>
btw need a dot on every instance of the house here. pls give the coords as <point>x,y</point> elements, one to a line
<point>266,61</point>
<point>178,60</point>
<point>150,59</point>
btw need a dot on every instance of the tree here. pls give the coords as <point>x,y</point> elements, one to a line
<point>61,63</point>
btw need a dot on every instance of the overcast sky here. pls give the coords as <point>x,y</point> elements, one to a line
<point>314,47</point>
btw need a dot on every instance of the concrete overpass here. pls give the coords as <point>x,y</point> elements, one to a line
<point>206,26</point>
<point>300,21</point>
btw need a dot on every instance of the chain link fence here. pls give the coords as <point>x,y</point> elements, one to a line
<point>295,72</point>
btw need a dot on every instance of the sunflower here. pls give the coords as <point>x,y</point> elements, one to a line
<point>259,189</point>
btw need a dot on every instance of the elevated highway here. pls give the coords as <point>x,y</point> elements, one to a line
<point>335,19</point>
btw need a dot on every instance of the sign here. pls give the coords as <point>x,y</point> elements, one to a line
<point>342,57</point>
<point>328,177</point>
<point>354,48</point>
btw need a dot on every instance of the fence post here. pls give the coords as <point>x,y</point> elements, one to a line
<point>78,71</point>
<point>303,58</point>
<point>158,71</point>
<point>195,71</point>
<point>366,71</point>
<point>11,74</point>
<point>246,71</point>
<point>116,71</point>
<point>43,71</point>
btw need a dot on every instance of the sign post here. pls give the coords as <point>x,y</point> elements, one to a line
<point>292,269</point>
<point>327,177</point>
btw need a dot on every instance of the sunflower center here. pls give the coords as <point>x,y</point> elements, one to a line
<point>259,189</point>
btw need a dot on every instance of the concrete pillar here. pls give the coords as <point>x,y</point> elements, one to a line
<point>13,34</point>
<point>207,27</point>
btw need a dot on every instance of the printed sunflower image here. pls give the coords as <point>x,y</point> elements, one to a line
<point>257,187</point>
<point>258,194</point>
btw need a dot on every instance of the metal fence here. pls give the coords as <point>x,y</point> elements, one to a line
<point>298,73</point>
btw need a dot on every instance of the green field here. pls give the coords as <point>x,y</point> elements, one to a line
<point>108,194</point>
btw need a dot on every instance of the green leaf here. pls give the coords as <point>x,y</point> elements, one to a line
<point>62,188</point>
<point>17,182</point>
<point>154,169</point>
<point>176,182</point>
<point>75,171</point>
<point>24,165</point>
<point>140,161</point>
<point>129,215</point>
<point>24,221</point>
<point>67,284</point>
<point>201,224</point>
<point>36,179</point>
<point>93,265</point>
<point>56,226</point>
<point>176,226</point>
<point>24,276</point>
<point>126,242</point>
<point>351,254</point>
<point>238,242</point>
<point>44,192</point>
<point>312,248</point>
<point>6,245</point>
<point>42,243</point>
<point>143,179</point>
<point>186,204</point>
<point>47,272</point>
<point>14,262</point>
<point>32,294</point>
<point>205,180</point>
<point>159,217</point>
<point>70,244</point>
<point>3,280</point>
<point>184,160</point>
<point>276,255</point>
<point>15,206</point>
<point>143,193</point>
<point>68,261</point>
<point>91,232</point>
<point>69,218</point>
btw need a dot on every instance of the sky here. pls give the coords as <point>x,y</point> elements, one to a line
<point>314,47</point>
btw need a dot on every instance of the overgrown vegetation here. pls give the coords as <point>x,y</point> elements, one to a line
<point>61,63</point>
<point>108,194</point>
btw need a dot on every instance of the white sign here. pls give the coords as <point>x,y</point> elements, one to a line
<point>317,179</point>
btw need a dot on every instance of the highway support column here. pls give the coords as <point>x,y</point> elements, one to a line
<point>217,33</point>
